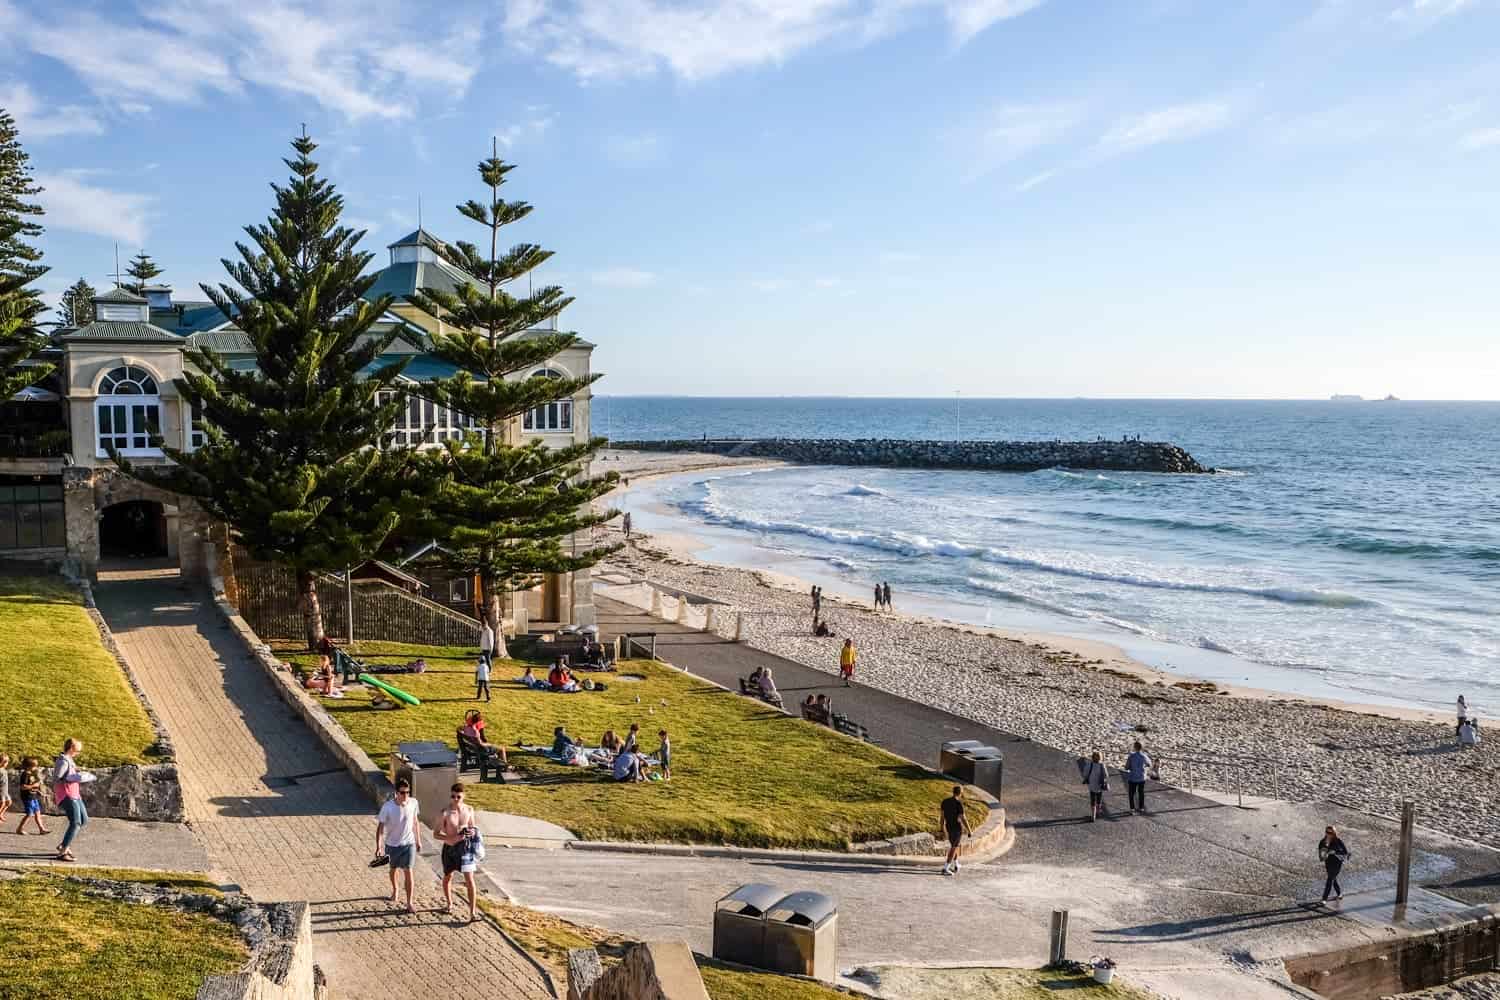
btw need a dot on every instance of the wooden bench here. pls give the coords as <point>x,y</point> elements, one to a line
<point>848,727</point>
<point>472,755</point>
<point>752,690</point>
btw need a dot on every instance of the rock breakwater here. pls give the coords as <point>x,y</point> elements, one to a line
<point>1001,456</point>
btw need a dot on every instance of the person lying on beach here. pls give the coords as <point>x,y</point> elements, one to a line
<point>822,631</point>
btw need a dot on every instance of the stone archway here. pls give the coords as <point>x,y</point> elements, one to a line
<point>135,529</point>
<point>99,502</point>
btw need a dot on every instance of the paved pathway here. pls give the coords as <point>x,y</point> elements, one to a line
<point>280,818</point>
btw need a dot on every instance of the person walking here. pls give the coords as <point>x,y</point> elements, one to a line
<point>1097,778</point>
<point>879,596</point>
<point>1136,766</point>
<point>4,785</point>
<point>956,826</point>
<point>1333,854</point>
<point>399,832</point>
<point>847,656</point>
<point>817,603</point>
<point>31,796</point>
<point>482,677</point>
<point>487,640</point>
<point>1463,714</point>
<point>66,779</point>
<point>454,828</point>
<point>625,524</point>
<point>886,597</point>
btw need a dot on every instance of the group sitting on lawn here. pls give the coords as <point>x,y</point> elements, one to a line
<point>622,757</point>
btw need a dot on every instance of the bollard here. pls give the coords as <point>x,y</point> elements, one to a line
<point>655,603</point>
<point>708,618</point>
<point>682,610</point>
<point>1057,950</point>
<point>1239,786</point>
<point>739,625</point>
<point>1403,862</point>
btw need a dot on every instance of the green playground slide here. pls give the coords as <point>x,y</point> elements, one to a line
<point>394,692</point>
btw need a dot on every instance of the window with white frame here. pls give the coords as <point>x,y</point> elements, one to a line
<point>458,590</point>
<point>127,414</point>
<point>196,435</point>
<point>425,422</point>
<point>549,417</point>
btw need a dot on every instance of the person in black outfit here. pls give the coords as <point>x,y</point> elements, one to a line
<point>1333,854</point>
<point>955,825</point>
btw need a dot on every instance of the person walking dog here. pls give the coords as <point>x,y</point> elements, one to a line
<point>1333,854</point>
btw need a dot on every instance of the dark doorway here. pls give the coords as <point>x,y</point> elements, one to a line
<point>135,529</point>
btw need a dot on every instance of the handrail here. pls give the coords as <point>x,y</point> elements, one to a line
<point>1237,764</point>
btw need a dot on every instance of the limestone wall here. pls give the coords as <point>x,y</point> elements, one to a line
<point>1003,456</point>
<point>655,970</point>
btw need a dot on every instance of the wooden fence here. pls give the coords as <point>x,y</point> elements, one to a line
<point>266,595</point>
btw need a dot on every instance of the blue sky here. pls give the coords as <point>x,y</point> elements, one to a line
<point>885,197</point>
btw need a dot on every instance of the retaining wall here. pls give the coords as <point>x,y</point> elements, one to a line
<point>1402,965</point>
<point>1001,456</point>
<point>655,970</point>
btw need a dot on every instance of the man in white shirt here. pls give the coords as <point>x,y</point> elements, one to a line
<point>398,828</point>
<point>487,641</point>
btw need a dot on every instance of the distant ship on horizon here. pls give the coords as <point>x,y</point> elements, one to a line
<point>1346,397</point>
<point>1391,399</point>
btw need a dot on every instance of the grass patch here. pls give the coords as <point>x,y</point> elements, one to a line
<point>548,939</point>
<point>61,944</point>
<point>741,773</point>
<point>57,680</point>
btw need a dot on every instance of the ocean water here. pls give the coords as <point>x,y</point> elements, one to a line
<point>1348,549</point>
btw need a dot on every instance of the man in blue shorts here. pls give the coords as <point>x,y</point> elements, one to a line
<point>398,828</point>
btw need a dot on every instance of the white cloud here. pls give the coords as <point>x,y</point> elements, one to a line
<point>623,277</point>
<point>1427,11</point>
<point>634,150</point>
<point>1480,138</point>
<point>39,119</point>
<point>704,38</point>
<point>1035,180</point>
<point>356,59</point>
<point>73,204</point>
<point>536,122</point>
<point>1013,131</point>
<point>1181,121</point>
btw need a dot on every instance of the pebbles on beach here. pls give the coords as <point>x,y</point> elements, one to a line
<point>1065,700</point>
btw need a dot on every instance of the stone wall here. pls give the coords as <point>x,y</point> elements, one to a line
<point>1002,456</point>
<point>655,970</point>
<point>1404,964</point>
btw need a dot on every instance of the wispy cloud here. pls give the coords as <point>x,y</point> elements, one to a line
<point>642,150</point>
<point>1036,180</point>
<point>40,119</point>
<point>359,60</point>
<point>535,122</point>
<point>73,203</point>
<point>1480,138</point>
<point>699,39</point>
<point>623,277</point>
<point>1012,131</point>
<point>1427,11</point>
<point>1170,124</point>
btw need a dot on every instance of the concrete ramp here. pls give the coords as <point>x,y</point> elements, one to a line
<point>507,830</point>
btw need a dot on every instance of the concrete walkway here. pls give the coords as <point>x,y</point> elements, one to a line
<point>279,817</point>
<point>1187,886</point>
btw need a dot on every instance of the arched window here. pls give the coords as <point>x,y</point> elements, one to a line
<point>127,414</point>
<point>549,418</point>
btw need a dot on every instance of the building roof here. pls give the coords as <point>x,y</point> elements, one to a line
<point>116,330</point>
<point>400,280</point>
<point>418,237</point>
<point>121,296</point>
<point>230,341</point>
<point>188,317</point>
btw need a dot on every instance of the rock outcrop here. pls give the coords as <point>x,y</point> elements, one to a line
<point>1000,456</point>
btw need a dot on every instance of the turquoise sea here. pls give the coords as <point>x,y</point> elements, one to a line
<point>1348,549</point>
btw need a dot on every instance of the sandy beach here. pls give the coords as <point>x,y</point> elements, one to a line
<point>1082,695</point>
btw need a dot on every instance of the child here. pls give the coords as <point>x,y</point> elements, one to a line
<point>665,755</point>
<point>482,677</point>
<point>31,795</point>
<point>4,785</point>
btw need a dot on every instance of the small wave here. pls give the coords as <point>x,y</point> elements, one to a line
<point>1204,642</point>
<point>861,490</point>
<point>1353,542</point>
<point>1167,523</point>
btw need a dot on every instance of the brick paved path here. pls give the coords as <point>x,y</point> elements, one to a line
<point>279,817</point>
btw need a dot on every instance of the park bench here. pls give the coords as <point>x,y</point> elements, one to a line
<point>472,755</point>
<point>815,713</point>
<point>750,689</point>
<point>849,727</point>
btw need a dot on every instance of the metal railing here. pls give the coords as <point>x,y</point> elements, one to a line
<point>1232,769</point>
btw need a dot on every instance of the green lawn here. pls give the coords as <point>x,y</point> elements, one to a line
<point>741,773</point>
<point>57,680</point>
<point>60,944</point>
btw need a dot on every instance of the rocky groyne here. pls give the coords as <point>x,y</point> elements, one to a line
<point>1002,456</point>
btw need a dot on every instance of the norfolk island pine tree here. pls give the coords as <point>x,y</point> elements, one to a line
<point>142,268</point>
<point>293,459</point>
<point>20,265</point>
<point>504,512</point>
<point>77,304</point>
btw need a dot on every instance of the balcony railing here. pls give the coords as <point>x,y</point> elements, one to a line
<point>35,442</point>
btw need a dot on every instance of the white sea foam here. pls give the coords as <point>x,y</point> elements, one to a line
<point>861,490</point>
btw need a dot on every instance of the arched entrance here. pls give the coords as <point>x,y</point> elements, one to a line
<point>133,529</point>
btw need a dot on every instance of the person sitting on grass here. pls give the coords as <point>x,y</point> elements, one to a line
<point>474,731</point>
<point>323,681</point>
<point>531,680</point>
<point>768,690</point>
<point>610,742</point>
<point>629,766</point>
<point>632,739</point>
<point>562,743</point>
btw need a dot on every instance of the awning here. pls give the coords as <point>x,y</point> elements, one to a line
<point>35,394</point>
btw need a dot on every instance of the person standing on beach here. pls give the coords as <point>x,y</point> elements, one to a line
<point>1333,854</point>
<point>399,833</point>
<point>879,594</point>
<point>817,603</point>
<point>625,525</point>
<point>1097,778</point>
<point>1463,714</point>
<point>1136,766</point>
<point>956,826</point>
<point>847,656</point>
<point>886,597</point>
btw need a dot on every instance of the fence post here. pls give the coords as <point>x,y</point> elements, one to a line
<point>739,625</point>
<point>1239,786</point>
<point>1057,950</point>
<point>1403,862</point>
<point>349,600</point>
